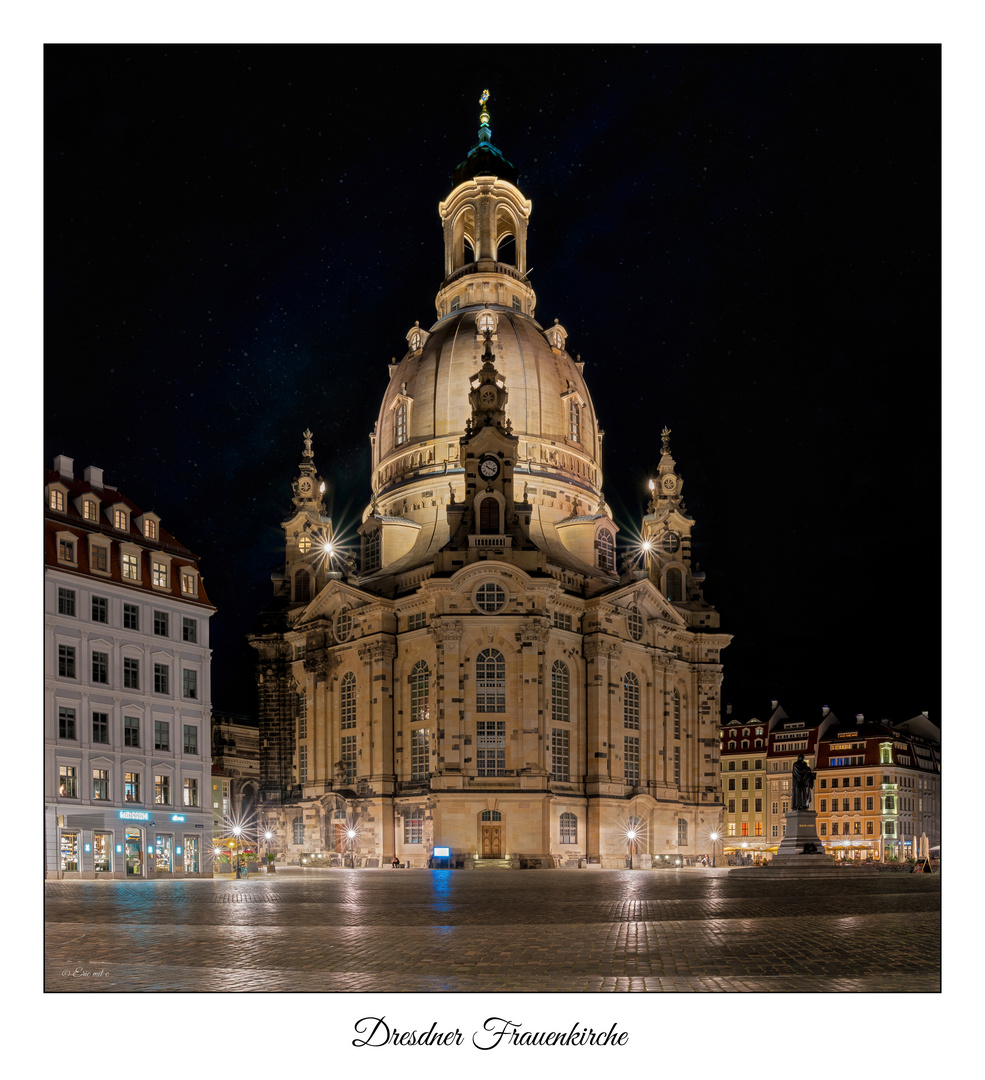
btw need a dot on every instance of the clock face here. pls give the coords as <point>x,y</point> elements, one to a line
<point>671,543</point>
<point>487,396</point>
<point>489,468</point>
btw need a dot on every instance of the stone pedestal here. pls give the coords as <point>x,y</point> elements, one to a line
<point>801,850</point>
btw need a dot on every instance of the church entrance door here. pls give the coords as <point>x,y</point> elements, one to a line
<point>492,841</point>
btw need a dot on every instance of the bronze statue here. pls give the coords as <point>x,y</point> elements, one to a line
<point>803,784</point>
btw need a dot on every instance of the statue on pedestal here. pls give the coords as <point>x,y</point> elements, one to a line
<point>803,784</point>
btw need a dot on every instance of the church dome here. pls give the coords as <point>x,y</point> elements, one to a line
<point>426,408</point>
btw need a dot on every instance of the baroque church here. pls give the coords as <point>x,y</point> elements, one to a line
<point>488,683</point>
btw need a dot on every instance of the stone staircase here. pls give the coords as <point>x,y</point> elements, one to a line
<point>491,864</point>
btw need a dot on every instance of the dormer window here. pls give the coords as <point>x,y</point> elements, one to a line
<point>56,500</point>
<point>150,529</point>
<point>159,573</point>
<point>371,550</point>
<point>189,582</point>
<point>485,321</point>
<point>121,519</point>
<point>90,510</point>
<point>66,550</point>
<point>606,547</point>
<point>400,424</point>
<point>574,421</point>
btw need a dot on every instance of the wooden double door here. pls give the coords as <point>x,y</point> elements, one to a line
<point>492,842</point>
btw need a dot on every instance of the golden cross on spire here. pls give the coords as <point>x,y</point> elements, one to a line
<point>484,98</point>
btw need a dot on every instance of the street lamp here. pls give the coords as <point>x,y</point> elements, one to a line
<point>630,839</point>
<point>714,843</point>
<point>237,829</point>
<point>350,836</point>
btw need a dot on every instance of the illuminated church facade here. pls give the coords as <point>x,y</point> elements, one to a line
<point>492,680</point>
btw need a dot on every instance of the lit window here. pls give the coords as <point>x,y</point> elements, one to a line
<point>304,543</point>
<point>631,700</point>
<point>150,529</point>
<point>67,782</point>
<point>131,787</point>
<point>569,829</point>
<point>69,852</point>
<point>130,566</point>
<point>66,551</point>
<point>100,783</point>
<point>120,519</point>
<point>56,500</point>
<point>190,791</point>
<point>490,681</point>
<point>189,584</point>
<point>162,790</point>
<point>90,511</point>
<point>159,574</point>
<point>66,601</point>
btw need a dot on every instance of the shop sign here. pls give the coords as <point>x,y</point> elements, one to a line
<point>135,815</point>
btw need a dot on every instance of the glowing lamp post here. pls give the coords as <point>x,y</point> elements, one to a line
<point>630,842</point>
<point>350,836</point>
<point>714,844</point>
<point>237,829</point>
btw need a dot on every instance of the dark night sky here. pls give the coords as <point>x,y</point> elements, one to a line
<point>743,243</point>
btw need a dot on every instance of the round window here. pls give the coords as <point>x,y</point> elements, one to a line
<point>490,597</point>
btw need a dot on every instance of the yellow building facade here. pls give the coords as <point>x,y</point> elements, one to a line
<point>490,680</point>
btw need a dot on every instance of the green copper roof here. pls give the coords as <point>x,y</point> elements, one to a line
<point>485,159</point>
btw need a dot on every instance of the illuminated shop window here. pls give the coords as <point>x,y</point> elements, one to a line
<point>69,852</point>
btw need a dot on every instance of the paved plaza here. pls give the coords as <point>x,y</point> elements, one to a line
<point>386,931</point>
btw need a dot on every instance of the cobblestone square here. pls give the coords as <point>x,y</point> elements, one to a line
<point>389,931</point>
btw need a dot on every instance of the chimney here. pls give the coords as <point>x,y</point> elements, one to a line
<point>825,710</point>
<point>94,476</point>
<point>775,703</point>
<point>65,466</point>
<point>859,717</point>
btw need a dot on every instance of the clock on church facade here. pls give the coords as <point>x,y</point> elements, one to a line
<point>488,673</point>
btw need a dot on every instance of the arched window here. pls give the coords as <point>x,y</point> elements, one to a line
<point>606,551</point>
<point>569,829</point>
<point>559,691</point>
<point>675,586</point>
<point>298,828</point>
<point>491,815</point>
<point>400,424</point>
<point>489,517</point>
<point>677,718</point>
<point>490,681</point>
<point>420,679</point>
<point>414,827</point>
<point>347,701</point>
<point>302,587</point>
<point>631,700</point>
